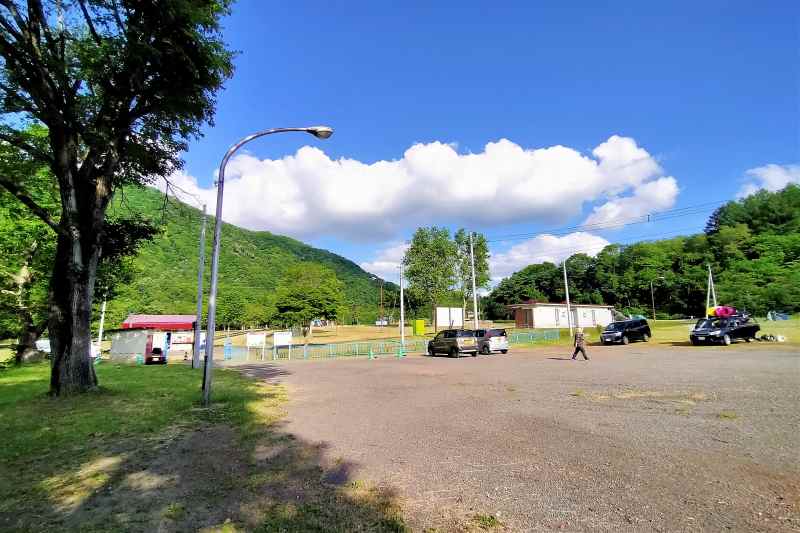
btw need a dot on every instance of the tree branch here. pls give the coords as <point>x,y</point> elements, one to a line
<point>20,194</point>
<point>88,18</point>
<point>26,147</point>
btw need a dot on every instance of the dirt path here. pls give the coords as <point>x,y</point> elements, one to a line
<point>642,438</point>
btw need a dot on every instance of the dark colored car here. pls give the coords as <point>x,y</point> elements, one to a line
<point>155,357</point>
<point>454,342</point>
<point>724,330</point>
<point>625,331</point>
<point>491,340</point>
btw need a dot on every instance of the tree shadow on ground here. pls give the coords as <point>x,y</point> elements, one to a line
<point>220,469</point>
<point>270,373</point>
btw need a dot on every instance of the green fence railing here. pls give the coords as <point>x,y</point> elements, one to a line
<point>366,349</point>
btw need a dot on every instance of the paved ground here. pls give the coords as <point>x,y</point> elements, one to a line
<point>641,438</point>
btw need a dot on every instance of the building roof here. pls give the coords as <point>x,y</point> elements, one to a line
<point>531,304</point>
<point>169,322</point>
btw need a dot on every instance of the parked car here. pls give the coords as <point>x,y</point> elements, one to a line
<point>454,342</point>
<point>724,330</point>
<point>491,340</point>
<point>155,357</point>
<point>625,331</point>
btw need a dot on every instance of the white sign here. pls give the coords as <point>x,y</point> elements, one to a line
<point>449,317</point>
<point>256,340</point>
<point>282,338</point>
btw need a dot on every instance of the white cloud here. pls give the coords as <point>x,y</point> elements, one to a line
<point>309,194</point>
<point>544,248</point>
<point>649,197</point>
<point>386,264</point>
<point>771,177</point>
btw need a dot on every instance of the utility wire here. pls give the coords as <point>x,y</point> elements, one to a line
<point>619,222</point>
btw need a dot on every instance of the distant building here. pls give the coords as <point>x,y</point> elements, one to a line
<point>554,315</point>
<point>173,334</point>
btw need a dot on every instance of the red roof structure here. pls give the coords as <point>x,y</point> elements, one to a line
<point>162,322</point>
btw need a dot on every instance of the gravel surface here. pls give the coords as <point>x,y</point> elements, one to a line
<point>641,438</point>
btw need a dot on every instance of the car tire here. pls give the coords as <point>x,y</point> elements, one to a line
<point>645,337</point>
<point>504,351</point>
<point>475,353</point>
<point>749,339</point>
<point>454,352</point>
<point>625,339</point>
<point>431,351</point>
<point>726,340</point>
<point>485,349</point>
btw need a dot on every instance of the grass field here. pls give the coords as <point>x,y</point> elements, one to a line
<point>140,454</point>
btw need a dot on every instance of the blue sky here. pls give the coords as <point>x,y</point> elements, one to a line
<point>697,95</point>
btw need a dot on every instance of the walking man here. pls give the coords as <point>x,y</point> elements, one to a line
<point>580,344</point>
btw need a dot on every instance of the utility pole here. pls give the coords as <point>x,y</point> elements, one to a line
<point>566,290</point>
<point>653,300</point>
<point>402,314</point>
<point>710,292</point>
<point>102,323</point>
<point>382,311</point>
<point>199,319</point>
<point>474,293</point>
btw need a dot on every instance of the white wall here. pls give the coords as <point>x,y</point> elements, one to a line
<point>449,317</point>
<point>555,316</point>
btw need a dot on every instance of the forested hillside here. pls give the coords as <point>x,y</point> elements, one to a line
<point>251,265</point>
<point>752,245</point>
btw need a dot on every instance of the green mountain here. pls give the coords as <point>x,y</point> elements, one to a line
<point>252,263</point>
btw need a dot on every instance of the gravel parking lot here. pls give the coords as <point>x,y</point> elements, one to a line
<point>641,438</point>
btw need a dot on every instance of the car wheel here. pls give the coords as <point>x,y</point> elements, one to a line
<point>453,352</point>
<point>645,337</point>
<point>625,340</point>
<point>475,353</point>
<point>431,351</point>
<point>726,340</point>
<point>485,349</point>
<point>503,351</point>
<point>749,339</point>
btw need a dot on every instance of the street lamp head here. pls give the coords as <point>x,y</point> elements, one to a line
<point>320,132</point>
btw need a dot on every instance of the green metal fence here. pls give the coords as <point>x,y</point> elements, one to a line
<point>378,349</point>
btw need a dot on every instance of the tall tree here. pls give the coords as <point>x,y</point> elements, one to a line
<point>480,250</point>
<point>430,264</point>
<point>309,291</point>
<point>121,86</point>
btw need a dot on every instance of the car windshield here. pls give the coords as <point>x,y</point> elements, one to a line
<point>497,332</point>
<point>480,332</point>
<point>465,333</point>
<point>707,323</point>
<point>616,326</point>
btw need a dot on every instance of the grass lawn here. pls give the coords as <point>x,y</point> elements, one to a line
<point>140,454</point>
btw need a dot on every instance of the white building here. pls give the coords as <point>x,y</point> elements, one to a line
<point>547,315</point>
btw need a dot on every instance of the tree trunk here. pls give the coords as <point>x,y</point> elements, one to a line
<point>71,295</point>
<point>26,344</point>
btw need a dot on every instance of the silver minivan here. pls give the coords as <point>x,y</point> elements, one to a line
<point>491,340</point>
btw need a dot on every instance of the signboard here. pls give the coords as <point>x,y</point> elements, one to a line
<point>256,340</point>
<point>282,338</point>
<point>449,317</point>
<point>183,337</point>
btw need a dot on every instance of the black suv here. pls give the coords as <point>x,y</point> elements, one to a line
<point>724,330</point>
<point>626,331</point>
<point>454,342</point>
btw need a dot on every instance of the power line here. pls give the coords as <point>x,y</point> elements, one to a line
<point>585,249</point>
<point>619,222</point>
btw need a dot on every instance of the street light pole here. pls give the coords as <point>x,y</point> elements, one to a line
<point>652,296</point>
<point>200,267</point>
<point>474,294</point>
<point>402,314</point>
<point>320,132</point>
